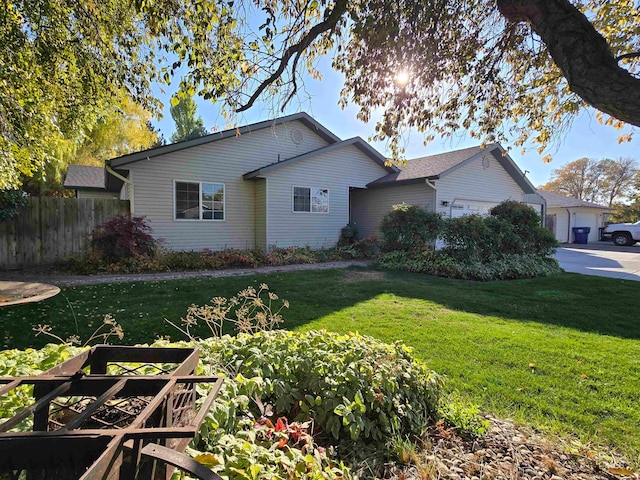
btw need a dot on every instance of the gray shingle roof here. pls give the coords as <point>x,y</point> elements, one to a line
<point>429,166</point>
<point>84,176</point>
<point>561,201</point>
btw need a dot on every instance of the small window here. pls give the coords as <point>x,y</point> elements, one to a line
<point>311,199</point>
<point>199,201</point>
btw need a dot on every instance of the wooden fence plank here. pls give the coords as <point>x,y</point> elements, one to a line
<point>50,229</point>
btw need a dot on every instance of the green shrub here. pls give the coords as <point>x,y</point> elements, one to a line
<point>523,217</point>
<point>442,264</point>
<point>477,238</point>
<point>409,227</point>
<point>10,202</point>
<point>355,388</point>
<point>527,224</point>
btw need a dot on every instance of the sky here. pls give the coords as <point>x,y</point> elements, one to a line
<point>585,138</point>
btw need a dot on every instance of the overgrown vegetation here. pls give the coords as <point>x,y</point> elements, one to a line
<point>408,228</point>
<point>510,243</point>
<point>442,264</point>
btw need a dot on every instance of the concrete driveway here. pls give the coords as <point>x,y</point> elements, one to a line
<point>601,260</point>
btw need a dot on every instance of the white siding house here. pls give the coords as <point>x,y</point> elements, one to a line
<point>475,186</point>
<point>291,182</point>
<point>462,182</point>
<point>236,189</point>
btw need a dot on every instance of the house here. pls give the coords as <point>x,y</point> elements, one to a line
<point>461,182</point>
<point>290,181</point>
<point>565,213</point>
<point>92,182</point>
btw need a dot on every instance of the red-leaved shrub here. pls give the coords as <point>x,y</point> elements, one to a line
<point>123,237</point>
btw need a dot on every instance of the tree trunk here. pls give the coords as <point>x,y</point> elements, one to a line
<point>582,54</point>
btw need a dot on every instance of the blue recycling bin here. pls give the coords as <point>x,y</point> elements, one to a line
<point>581,234</point>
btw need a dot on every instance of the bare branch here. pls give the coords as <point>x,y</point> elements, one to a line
<point>628,55</point>
<point>297,49</point>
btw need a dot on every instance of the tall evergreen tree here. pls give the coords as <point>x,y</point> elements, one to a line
<point>184,113</point>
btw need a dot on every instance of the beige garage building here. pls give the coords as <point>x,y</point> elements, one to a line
<point>564,213</point>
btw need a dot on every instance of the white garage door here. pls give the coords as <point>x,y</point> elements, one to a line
<point>588,220</point>
<point>470,207</point>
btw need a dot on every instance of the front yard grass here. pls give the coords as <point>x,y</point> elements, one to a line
<point>581,333</point>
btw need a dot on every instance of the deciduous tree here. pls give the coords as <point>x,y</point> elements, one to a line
<point>518,70</point>
<point>600,181</point>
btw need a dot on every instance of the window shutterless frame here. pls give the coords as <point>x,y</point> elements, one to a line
<point>311,189</point>
<point>200,203</point>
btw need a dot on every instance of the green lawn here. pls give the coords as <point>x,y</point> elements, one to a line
<point>582,333</point>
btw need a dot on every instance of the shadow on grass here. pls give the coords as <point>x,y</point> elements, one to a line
<point>590,304</point>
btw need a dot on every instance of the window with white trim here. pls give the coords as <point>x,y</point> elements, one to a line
<point>311,199</point>
<point>199,201</point>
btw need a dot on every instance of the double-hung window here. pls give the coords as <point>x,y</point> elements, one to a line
<point>199,201</point>
<point>311,199</point>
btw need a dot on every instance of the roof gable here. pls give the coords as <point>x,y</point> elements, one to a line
<point>357,142</point>
<point>435,166</point>
<point>303,117</point>
<point>562,201</point>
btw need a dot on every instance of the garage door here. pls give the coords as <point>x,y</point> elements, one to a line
<point>470,207</point>
<point>588,220</point>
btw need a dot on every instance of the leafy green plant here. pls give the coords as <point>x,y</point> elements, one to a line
<point>443,264</point>
<point>463,417</point>
<point>290,402</point>
<point>527,225</point>
<point>10,202</point>
<point>409,227</point>
<point>355,388</point>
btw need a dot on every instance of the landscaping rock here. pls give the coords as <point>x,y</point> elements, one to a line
<point>510,451</point>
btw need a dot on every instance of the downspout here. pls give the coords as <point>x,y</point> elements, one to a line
<point>569,227</point>
<point>126,181</point>
<point>435,192</point>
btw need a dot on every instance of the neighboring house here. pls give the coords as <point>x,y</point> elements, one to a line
<point>92,182</point>
<point>290,182</point>
<point>564,213</point>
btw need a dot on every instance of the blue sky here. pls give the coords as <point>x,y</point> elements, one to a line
<point>585,138</point>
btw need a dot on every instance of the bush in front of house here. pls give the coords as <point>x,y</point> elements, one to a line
<point>508,244</point>
<point>160,260</point>
<point>123,237</point>
<point>527,224</point>
<point>442,264</point>
<point>409,227</point>
<point>477,238</point>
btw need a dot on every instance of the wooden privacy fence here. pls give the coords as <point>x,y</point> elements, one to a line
<point>49,229</point>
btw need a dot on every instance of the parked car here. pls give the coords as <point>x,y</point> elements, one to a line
<point>623,234</point>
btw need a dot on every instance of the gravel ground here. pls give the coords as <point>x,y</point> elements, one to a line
<point>509,451</point>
